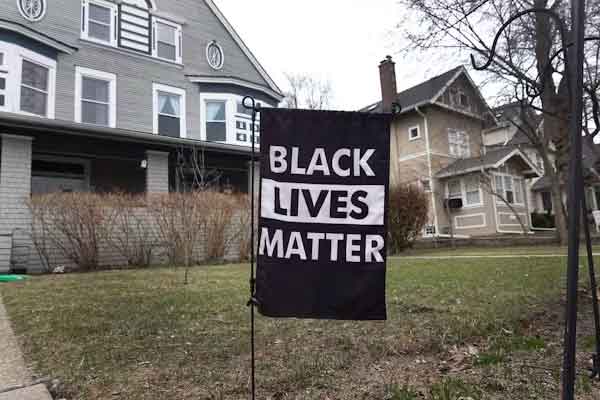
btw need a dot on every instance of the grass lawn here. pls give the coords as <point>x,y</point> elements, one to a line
<point>484,328</point>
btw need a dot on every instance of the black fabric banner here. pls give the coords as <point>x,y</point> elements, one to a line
<point>322,225</point>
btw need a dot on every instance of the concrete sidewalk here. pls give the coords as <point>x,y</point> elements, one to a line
<point>13,371</point>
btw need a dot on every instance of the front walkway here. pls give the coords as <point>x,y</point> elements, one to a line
<point>15,378</point>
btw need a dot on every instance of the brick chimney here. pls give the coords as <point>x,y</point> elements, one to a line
<point>387,75</point>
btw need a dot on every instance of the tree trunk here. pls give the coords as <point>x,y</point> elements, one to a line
<point>560,218</point>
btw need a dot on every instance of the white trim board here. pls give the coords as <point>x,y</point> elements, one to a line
<point>237,82</point>
<point>524,215</point>
<point>470,226</point>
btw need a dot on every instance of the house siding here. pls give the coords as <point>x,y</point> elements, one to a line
<point>136,72</point>
<point>157,172</point>
<point>15,188</point>
<point>440,120</point>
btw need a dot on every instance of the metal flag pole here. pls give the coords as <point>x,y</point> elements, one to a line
<point>573,59</point>
<point>594,288</point>
<point>250,104</point>
<point>575,74</point>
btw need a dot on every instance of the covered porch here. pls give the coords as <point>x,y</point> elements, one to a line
<point>40,156</point>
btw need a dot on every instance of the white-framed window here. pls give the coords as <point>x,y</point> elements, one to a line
<point>35,88</point>
<point>468,189</point>
<point>215,118</point>
<point>472,191</point>
<point>95,97</point>
<point>463,99</point>
<point>426,185</point>
<point>429,230</point>
<point>169,110</point>
<point>414,133</point>
<point>167,40</point>
<point>458,143</point>
<point>27,81</point>
<point>454,189</point>
<point>510,188</point>
<point>224,119</point>
<point>459,98</point>
<point>99,21</point>
<point>518,187</point>
<point>3,81</point>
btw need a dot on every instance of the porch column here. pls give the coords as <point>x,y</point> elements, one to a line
<point>157,171</point>
<point>15,189</point>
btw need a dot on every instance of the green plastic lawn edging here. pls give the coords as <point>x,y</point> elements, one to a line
<point>11,278</point>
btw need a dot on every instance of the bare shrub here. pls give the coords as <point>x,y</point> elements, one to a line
<point>220,227</point>
<point>180,220</point>
<point>72,223</point>
<point>128,228</point>
<point>244,222</point>
<point>41,222</point>
<point>407,215</point>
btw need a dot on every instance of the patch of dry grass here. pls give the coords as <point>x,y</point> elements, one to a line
<point>486,328</point>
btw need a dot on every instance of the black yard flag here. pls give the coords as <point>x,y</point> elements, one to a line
<point>322,227</point>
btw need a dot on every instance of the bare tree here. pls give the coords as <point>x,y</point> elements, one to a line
<point>192,172</point>
<point>528,63</point>
<point>307,92</point>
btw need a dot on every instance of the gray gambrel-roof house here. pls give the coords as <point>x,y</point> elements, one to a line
<point>107,95</point>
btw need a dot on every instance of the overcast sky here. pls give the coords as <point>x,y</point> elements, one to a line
<point>339,40</point>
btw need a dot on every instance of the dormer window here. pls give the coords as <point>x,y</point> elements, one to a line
<point>167,40</point>
<point>99,21</point>
<point>131,25</point>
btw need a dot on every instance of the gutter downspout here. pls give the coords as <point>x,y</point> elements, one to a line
<point>431,182</point>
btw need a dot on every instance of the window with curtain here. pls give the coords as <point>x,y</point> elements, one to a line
<point>95,101</point>
<point>169,114</point>
<point>34,88</point>
<point>473,195</point>
<point>216,121</point>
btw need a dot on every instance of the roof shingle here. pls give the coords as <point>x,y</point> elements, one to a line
<point>420,93</point>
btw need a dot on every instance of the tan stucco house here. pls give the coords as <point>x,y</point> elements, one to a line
<point>437,143</point>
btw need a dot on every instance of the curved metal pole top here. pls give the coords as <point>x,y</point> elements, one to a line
<point>250,103</point>
<point>559,22</point>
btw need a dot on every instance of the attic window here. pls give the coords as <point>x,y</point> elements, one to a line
<point>464,100</point>
<point>413,133</point>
